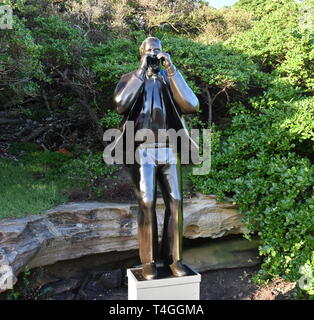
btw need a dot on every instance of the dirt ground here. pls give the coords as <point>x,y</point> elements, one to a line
<point>226,284</point>
<point>237,284</point>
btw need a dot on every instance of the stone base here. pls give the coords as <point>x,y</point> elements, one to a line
<point>163,288</point>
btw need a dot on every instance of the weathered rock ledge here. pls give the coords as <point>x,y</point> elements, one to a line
<point>75,230</point>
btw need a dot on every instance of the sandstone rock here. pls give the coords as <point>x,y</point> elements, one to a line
<point>76,230</point>
<point>204,217</point>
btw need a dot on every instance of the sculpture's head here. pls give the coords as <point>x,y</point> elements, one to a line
<point>151,46</point>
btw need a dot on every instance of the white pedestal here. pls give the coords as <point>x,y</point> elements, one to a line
<point>170,288</point>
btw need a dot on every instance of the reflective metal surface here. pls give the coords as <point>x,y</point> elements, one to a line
<point>155,98</point>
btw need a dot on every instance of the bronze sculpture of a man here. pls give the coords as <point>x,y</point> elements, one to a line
<point>155,98</point>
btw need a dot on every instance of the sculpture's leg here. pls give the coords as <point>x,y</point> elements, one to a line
<point>164,245</point>
<point>144,179</point>
<point>169,178</point>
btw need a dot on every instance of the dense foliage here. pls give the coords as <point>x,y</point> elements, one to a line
<point>265,157</point>
<point>251,66</point>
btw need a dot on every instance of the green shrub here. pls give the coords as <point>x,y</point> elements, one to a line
<point>278,42</point>
<point>20,65</point>
<point>111,120</point>
<point>256,159</point>
<point>88,167</point>
<point>61,43</point>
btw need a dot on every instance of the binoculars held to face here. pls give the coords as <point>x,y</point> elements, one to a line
<point>153,60</point>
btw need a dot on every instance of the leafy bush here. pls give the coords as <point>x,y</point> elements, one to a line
<point>111,120</point>
<point>261,8</point>
<point>208,25</point>
<point>257,160</point>
<point>61,43</point>
<point>213,65</point>
<point>20,65</point>
<point>265,156</point>
<point>113,59</point>
<point>279,42</point>
<point>88,167</point>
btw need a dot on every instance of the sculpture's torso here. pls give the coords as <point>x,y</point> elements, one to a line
<point>153,114</point>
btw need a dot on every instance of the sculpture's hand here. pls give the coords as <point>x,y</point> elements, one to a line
<point>143,67</point>
<point>143,62</point>
<point>165,59</point>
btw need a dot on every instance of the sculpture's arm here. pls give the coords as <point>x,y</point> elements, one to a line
<point>127,90</point>
<point>182,93</point>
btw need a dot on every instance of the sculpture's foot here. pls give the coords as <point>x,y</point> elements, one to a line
<point>149,271</point>
<point>177,269</point>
